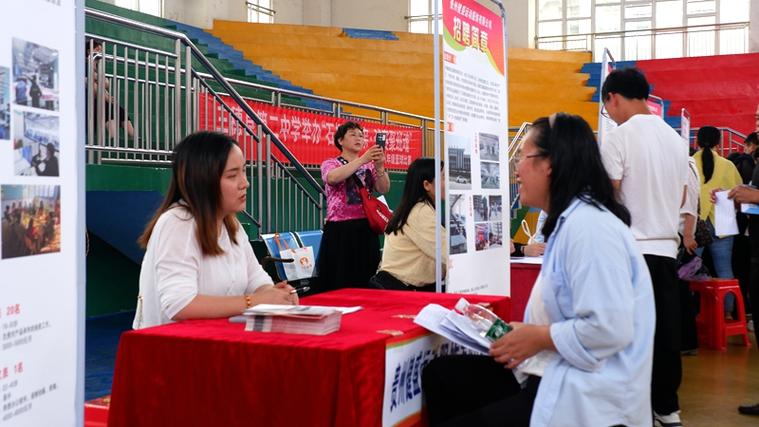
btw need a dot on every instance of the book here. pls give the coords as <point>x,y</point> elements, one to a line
<point>290,319</point>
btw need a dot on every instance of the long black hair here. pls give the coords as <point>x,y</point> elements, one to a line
<point>576,167</point>
<point>707,138</point>
<point>420,170</point>
<point>196,169</point>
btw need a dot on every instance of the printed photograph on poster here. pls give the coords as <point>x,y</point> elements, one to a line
<point>31,220</point>
<point>490,175</point>
<point>495,208</point>
<point>480,205</point>
<point>5,103</point>
<point>457,228</point>
<point>35,75</point>
<point>459,162</point>
<point>488,236</point>
<point>35,144</point>
<point>488,146</point>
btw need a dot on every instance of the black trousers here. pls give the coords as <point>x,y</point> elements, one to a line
<point>753,291</point>
<point>688,311</point>
<point>741,262</point>
<point>667,370</point>
<point>386,281</point>
<point>476,391</point>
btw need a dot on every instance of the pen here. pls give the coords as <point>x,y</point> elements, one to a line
<point>303,289</point>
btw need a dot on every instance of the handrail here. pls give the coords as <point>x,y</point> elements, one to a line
<point>322,98</point>
<point>516,142</point>
<point>665,30</point>
<point>563,41</point>
<point>220,79</point>
<point>514,145</point>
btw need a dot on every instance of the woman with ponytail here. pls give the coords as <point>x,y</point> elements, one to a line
<point>716,173</point>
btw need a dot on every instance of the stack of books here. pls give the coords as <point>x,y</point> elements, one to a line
<point>290,319</point>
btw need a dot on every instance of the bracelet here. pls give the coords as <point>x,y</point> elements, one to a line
<point>248,301</point>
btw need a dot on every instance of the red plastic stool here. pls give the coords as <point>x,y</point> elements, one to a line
<point>713,329</point>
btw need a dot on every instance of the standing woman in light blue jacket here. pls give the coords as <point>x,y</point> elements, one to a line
<point>583,355</point>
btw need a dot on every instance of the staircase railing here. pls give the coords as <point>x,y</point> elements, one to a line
<point>514,146</point>
<point>162,93</point>
<point>732,141</point>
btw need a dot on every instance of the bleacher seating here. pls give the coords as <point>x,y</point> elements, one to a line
<point>224,58</point>
<point>717,90</point>
<point>362,69</point>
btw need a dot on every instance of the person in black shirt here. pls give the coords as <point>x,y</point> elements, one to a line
<point>750,194</point>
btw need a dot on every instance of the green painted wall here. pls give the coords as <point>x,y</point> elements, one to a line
<point>112,278</point>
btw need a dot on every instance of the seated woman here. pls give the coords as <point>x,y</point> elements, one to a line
<point>408,259</point>
<point>583,356</point>
<point>198,261</point>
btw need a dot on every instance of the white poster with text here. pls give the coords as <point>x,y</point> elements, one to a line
<point>476,140</point>
<point>41,188</point>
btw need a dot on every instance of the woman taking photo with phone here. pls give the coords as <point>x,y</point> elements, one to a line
<point>408,260</point>
<point>349,252</point>
<point>198,261</point>
<point>584,353</point>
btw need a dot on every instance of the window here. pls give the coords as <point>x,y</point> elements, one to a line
<point>260,11</point>
<point>152,7</point>
<point>420,17</point>
<point>644,29</point>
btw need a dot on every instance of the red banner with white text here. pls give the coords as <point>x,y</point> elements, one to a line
<point>309,136</point>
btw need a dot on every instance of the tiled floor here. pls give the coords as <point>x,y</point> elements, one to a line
<point>715,383</point>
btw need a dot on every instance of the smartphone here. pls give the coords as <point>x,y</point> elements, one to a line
<point>380,140</point>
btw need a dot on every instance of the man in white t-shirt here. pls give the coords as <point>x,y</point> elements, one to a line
<point>647,162</point>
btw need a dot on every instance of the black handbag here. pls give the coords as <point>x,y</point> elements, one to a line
<point>704,233</point>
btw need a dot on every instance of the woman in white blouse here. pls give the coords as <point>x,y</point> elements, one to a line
<point>198,261</point>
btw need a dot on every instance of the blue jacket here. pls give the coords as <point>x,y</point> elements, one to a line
<point>598,294</point>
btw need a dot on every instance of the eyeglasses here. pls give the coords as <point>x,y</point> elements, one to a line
<point>519,156</point>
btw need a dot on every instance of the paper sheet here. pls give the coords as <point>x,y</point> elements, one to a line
<point>724,215</point>
<point>435,318</point>
<point>527,260</point>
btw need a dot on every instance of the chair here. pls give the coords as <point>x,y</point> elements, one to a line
<point>268,253</point>
<point>713,329</point>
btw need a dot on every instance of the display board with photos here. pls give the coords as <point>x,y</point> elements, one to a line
<point>474,83</point>
<point>41,213</point>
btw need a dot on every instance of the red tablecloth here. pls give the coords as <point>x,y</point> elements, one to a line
<point>523,277</point>
<point>212,373</point>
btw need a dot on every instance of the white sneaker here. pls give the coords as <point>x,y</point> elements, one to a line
<point>669,420</point>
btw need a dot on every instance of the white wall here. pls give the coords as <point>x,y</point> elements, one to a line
<point>201,13</point>
<point>370,14</point>
<point>289,12</point>
<point>520,18</point>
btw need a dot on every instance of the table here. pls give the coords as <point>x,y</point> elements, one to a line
<point>523,277</point>
<point>211,372</point>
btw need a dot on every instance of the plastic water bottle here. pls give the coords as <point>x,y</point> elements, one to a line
<point>485,321</point>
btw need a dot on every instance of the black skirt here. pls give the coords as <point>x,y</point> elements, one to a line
<point>349,255</point>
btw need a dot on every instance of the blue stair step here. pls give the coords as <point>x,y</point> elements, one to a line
<point>221,50</point>
<point>359,33</point>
